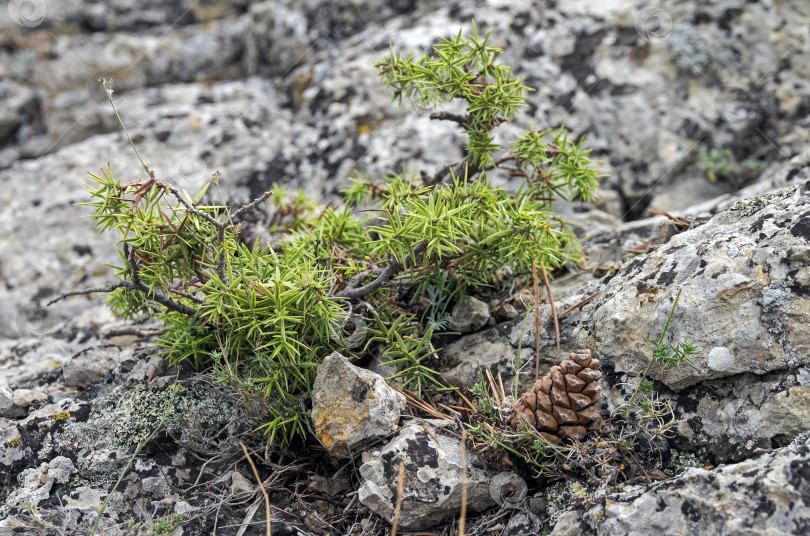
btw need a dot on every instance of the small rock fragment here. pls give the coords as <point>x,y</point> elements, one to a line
<point>24,397</point>
<point>89,366</point>
<point>352,406</point>
<point>470,314</point>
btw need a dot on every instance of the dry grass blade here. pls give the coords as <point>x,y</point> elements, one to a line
<point>638,463</point>
<point>463,517</point>
<point>493,386</point>
<point>248,518</point>
<point>553,310</point>
<point>466,400</point>
<point>500,384</point>
<point>259,480</point>
<point>678,221</point>
<point>400,490</point>
<point>536,323</point>
<point>421,404</point>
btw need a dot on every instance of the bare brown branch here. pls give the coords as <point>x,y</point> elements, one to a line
<point>448,116</point>
<point>393,268</point>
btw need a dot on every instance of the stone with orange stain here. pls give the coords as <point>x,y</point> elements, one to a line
<point>352,406</point>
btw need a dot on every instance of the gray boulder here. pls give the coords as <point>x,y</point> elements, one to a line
<point>433,477</point>
<point>765,495</point>
<point>470,314</point>
<point>745,283</point>
<point>92,364</point>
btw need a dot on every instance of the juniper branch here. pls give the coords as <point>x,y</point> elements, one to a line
<point>393,268</point>
<point>153,295</point>
<point>94,290</point>
<point>133,284</point>
<point>250,206</point>
<point>449,116</point>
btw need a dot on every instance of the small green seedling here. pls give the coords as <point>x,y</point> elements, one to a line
<point>666,355</point>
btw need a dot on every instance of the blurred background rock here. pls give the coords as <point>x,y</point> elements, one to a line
<point>681,103</point>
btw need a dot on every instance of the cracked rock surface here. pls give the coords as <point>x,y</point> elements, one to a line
<point>745,282</point>
<point>432,481</point>
<point>285,92</point>
<point>769,494</point>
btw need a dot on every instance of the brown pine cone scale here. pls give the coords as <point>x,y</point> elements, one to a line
<point>561,405</point>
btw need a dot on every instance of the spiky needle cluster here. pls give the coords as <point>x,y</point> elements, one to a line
<point>271,313</point>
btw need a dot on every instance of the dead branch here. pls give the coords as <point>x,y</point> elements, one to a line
<point>393,268</point>
<point>462,120</point>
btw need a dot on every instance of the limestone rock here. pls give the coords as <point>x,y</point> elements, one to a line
<point>38,482</point>
<point>352,406</point>
<point>470,314</point>
<point>745,282</point>
<point>24,397</point>
<point>89,366</point>
<point>7,406</point>
<point>489,349</point>
<point>733,417</point>
<point>433,478</point>
<point>763,495</point>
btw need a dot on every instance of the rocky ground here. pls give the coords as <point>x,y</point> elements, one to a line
<point>698,110</point>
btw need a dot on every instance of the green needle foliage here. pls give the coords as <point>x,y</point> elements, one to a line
<point>268,315</point>
<point>665,355</point>
<point>464,69</point>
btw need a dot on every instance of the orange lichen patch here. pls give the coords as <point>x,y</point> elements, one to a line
<point>332,427</point>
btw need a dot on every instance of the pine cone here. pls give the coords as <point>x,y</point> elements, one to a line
<point>562,404</point>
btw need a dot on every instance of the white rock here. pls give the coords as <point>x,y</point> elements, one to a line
<point>720,359</point>
<point>433,478</point>
<point>24,397</point>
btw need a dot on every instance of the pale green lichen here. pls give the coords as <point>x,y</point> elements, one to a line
<point>136,412</point>
<point>681,461</point>
<point>751,206</point>
<point>776,299</point>
<point>688,50</point>
<point>561,497</point>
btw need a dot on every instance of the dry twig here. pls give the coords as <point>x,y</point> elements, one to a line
<point>400,491</point>
<point>463,517</point>
<point>261,485</point>
<point>536,323</point>
<point>553,307</point>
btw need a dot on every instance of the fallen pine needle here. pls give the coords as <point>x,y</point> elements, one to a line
<point>578,305</point>
<point>259,480</point>
<point>463,517</point>
<point>400,491</point>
